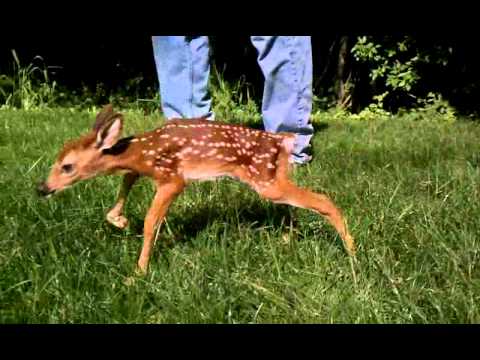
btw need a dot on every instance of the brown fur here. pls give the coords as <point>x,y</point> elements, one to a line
<point>83,143</point>
<point>181,151</point>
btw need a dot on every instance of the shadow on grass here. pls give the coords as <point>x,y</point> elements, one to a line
<point>188,225</point>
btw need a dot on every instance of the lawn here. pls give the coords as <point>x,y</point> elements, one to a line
<point>410,191</point>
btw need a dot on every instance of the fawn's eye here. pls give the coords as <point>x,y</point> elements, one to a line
<point>67,168</point>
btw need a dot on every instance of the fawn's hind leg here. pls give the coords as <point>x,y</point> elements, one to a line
<point>286,192</point>
<point>115,215</point>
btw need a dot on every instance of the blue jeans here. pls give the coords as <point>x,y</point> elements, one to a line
<point>183,69</point>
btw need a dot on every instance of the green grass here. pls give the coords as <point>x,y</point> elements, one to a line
<point>410,190</point>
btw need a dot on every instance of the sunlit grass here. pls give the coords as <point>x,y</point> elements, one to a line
<point>408,188</point>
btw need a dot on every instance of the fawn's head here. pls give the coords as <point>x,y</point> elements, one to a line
<point>81,159</point>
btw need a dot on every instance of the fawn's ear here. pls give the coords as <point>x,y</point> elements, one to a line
<point>109,132</point>
<point>103,116</point>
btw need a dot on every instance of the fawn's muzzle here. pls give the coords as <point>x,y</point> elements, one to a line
<point>44,190</point>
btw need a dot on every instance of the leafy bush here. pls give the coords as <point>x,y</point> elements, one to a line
<point>392,65</point>
<point>434,107</point>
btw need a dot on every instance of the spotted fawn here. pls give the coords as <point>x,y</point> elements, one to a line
<point>179,152</point>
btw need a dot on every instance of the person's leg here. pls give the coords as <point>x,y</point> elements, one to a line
<point>183,69</point>
<point>286,63</point>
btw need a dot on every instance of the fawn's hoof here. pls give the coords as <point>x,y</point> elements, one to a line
<point>138,273</point>
<point>129,281</point>
<point>141,270</point>
<point>119,221</point>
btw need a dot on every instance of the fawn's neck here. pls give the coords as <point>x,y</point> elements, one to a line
<point>124,155</point>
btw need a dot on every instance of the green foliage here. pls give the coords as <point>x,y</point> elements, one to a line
<point>392,64</point>
<point>232,102</point>
<point>432,108</point>
<point>374,110</point>
<point>27,90</point>
<point>133,95</point>
<point>370,113</point>
<point>29,87</point>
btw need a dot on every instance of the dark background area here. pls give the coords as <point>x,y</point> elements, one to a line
<point>113,60</point>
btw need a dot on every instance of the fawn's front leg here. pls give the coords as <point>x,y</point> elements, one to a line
<point>115,215</point>
<point>164,196</point>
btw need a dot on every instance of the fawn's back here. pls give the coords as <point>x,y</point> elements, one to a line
<point>199,149</point>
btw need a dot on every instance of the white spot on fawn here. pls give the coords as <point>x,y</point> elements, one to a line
<point>252,169</point>
<point>161,168</point>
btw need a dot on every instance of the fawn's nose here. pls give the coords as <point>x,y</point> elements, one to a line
<point>43,189</point>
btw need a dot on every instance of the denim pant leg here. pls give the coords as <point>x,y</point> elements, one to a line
<point>286,63</point>
<point>183,69</point>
